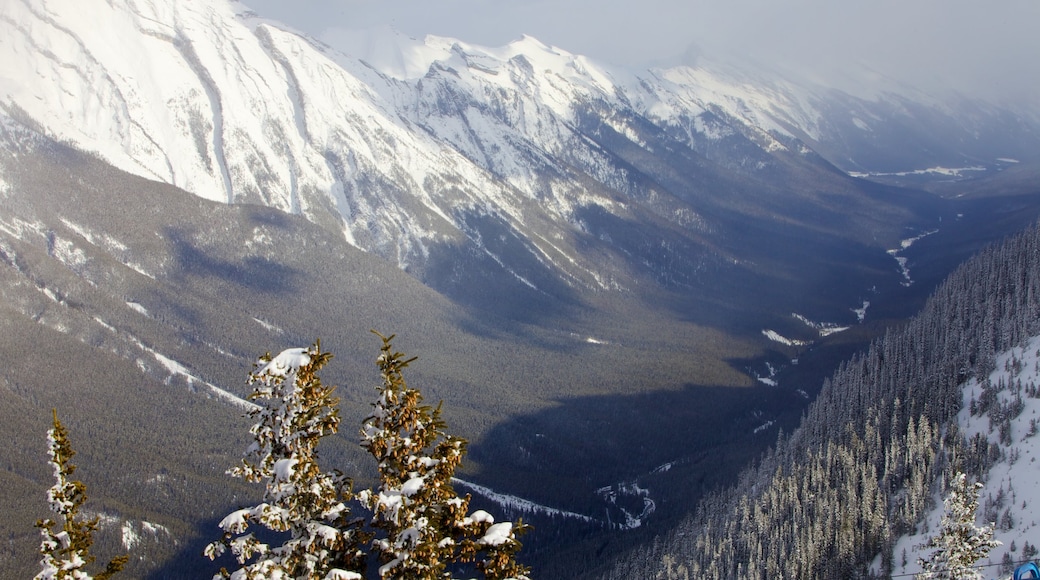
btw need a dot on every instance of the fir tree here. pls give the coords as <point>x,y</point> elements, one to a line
<point>295,410</point>
<point>66,542</point>
<point>425,523</point>
<point>959,543</point>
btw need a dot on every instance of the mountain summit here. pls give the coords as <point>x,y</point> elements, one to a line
<point>438,145</point>
<point>621,284</point>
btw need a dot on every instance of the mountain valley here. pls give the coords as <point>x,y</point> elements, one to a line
<point>623,285</point>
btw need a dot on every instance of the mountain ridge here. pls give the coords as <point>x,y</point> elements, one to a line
<point>246,111</point>
<point>584,258</point>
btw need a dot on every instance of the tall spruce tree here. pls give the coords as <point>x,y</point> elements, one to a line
<point>425,524</point>
<point>959,542</point>
<point>295,410</point>
<point>67,540</point>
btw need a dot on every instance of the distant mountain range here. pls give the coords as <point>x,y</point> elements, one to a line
<point>516,154</point>
<point>622,284</point>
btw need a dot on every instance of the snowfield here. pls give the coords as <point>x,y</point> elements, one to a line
<point>398,139</point>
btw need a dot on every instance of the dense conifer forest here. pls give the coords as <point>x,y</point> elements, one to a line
<point>881,437</point>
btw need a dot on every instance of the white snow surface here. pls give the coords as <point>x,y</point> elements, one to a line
<point>823,328</point>
<point>955,172</point>
<point>903,261</point>
<point>861,312</point>
<point>398,138</point>
<point>779,338</point>
<point>497,534</point>
<point>1014,476</point>
<point>286,362</point>
<point>630,490</point>
<point>517,504</point>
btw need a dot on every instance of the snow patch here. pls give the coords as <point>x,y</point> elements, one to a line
<point>763,427</point>
<point>777,337</point>
<point>516,504</point>
<point>136,307</point>
<point>770,376</point>
<point>861,312</point>
<point>130,536</point>
<point>268,326</point>
<point>622,496</point>
<point>955,172</point>
<point>822,328</point>
<point>902,260</point>
<point>112,246</point>
<point>175,368</point>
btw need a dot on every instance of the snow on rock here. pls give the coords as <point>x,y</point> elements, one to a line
<point>130,536</point>
<point>134,533</point>
<point>138,308</point>
<point>399,138</point>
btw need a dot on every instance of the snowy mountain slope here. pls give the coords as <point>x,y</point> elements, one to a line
<point>130,305</point>
<point>235,111</point>
<point>436,148</point>
<point>1008,501</point>
<point>690,200</point>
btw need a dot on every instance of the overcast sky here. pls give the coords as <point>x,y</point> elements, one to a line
<point>987,48</point>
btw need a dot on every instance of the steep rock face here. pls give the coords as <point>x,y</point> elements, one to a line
<point>511,158</point>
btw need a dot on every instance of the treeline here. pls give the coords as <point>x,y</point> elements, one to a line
<point>859,471</point>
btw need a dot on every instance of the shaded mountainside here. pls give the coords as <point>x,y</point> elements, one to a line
<point>136,309</point>
<point>524,171</point>
<point>861,468</point>
<point>608,276</point>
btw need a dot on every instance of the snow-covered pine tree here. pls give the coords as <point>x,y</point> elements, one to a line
<point>294,411</point>
<point>425,523</point>
<point>959,542</point>
<point>66,545</point>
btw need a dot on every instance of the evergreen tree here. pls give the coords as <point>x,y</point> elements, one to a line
<point>295,410</point>
<point>66,545</point>
<point>425,522</point>
<point>959,543</point>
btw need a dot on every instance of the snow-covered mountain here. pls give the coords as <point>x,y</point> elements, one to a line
<point>436,146</point>
<point>649,225</point>
<point>1000,411</point>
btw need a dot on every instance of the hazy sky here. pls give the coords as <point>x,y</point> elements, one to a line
<point>988,48</point>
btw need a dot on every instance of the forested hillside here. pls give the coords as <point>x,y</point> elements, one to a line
<point>882,434</point>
